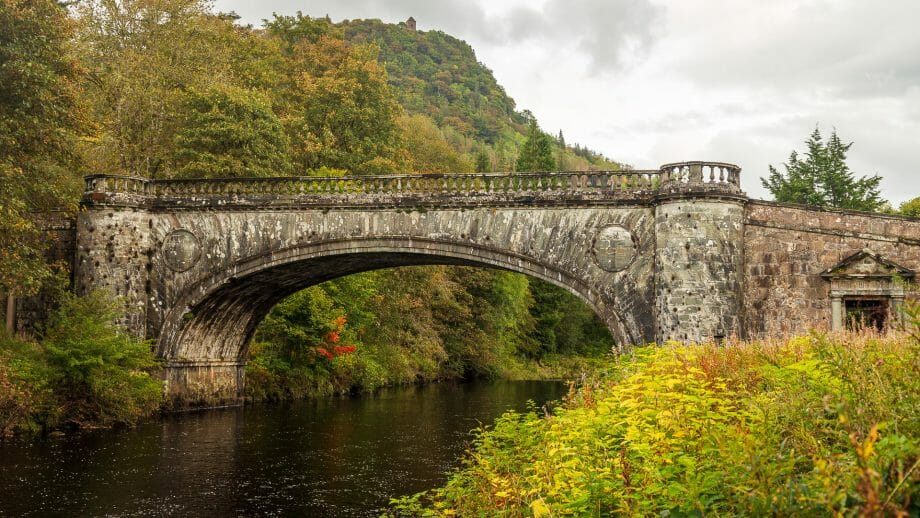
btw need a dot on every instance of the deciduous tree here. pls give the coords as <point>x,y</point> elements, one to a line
<point>348,114</point>
<point>910,208</point>
<point>144,57</point>
<point>429,151</point>
<point>39,120</point>
<point>230,132</point>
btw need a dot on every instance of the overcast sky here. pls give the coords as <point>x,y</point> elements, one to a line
<point>648,82</point>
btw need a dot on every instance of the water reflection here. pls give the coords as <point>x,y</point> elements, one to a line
<point>336,457</point>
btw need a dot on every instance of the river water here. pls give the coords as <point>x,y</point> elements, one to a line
<point>331,457</point>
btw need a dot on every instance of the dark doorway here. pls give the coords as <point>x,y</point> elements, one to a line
<point>866,313</point>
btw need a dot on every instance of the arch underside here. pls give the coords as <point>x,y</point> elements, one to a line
<point>217,317</point>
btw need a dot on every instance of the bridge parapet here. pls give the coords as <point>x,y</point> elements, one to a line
<point>710,176</point>
<point>398,189</point>
<point>413,189</point>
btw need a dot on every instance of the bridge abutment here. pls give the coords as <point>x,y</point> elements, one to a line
<point>699,253</point>
<point>204,383</point>
<point>113,247</point>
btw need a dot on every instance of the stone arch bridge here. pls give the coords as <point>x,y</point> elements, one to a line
<point>674,253</point>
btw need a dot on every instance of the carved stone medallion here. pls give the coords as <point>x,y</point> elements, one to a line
<point>181,250</point>
<point>614,248</point>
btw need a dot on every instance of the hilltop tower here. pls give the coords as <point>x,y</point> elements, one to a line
<point>410,24</point>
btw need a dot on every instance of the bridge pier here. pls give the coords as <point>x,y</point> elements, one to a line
<point>699,257</point>
<point>204,383</point>
<point>113,254</point>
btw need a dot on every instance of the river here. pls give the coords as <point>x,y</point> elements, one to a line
<point>330,457</point>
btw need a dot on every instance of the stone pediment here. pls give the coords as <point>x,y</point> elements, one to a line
<point>867,264</point>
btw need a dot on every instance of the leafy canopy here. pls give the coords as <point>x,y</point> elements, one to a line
<point>230,132</point>
<point>910,208</point>
<point>39,119</point>
<point>428,150</point>
<point>823,178</point>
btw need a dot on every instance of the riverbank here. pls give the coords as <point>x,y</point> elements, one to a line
<point>83,373</point>
<point>814,425</point>
<point>371,368</point>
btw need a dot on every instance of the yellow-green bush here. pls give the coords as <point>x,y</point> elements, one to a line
<point>815,425</point>
<point>82,372</point>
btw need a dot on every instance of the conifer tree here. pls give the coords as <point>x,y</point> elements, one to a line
<point>823,178</point>
<point>537,152</point>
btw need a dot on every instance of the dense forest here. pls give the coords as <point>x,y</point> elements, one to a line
<point>173,89</point>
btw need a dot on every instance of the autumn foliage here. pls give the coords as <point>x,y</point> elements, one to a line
<point>330,347</point>
<point>817,425</point>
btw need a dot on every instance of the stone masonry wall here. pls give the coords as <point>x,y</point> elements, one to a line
<point>112,254</point>
<point>787,247</point>
<point>698,262</point>
<point>248,260</point>
<point>61,235</point>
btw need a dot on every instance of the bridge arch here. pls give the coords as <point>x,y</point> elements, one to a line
<point>215,318</point>
<point>198,263</point>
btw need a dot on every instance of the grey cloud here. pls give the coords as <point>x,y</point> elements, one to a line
<point>611,33</point>
<point>851,48</point>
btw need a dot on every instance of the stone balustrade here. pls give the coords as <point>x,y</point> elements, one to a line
<point>594,185</point>
<point>719,174</point>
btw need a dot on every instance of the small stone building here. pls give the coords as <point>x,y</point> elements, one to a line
<point>866,290</point>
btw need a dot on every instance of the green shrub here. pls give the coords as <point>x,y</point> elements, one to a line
<point>24,391</point>
<point>816,425</point>
<point>97,369</point>
<point>83,372</point>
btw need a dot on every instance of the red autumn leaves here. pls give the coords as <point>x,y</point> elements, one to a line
<point>329,348</point>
